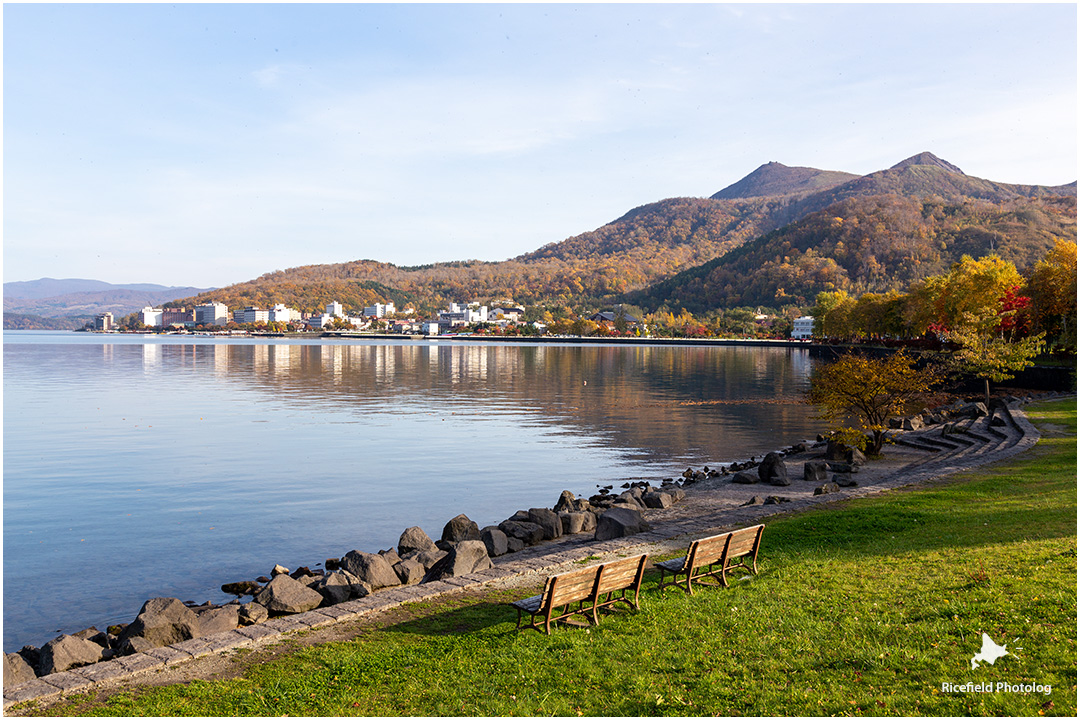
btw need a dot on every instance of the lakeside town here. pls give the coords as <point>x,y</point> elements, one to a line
<point>475,318</point>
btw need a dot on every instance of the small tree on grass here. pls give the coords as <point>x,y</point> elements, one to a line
<point>992,357</point>
<point>869,390</point>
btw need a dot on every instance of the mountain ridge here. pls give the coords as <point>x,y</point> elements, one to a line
<point>775,179</point>
<point>653,243</point>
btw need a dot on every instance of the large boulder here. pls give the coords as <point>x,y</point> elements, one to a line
<point>410,571</point>
<point>243,587</point>
<point>414,539</point>
<point>468,556</point>
<point>495,540</point>
<point>815,471</point>
<point>390,556</point>
<point>745,477</point>
<point>218,619</point>
<point>17,670</point>
<point>252,613</point>
<point>567,503</point>
<point>844,480</point>
<point>427,558</point>
<point>548,520</point>
<point>577,522</point>
<point>911,423</point>
<point>973,409</point>
<point>620,522</point>
<point>834,450</point>
<point>66,652</point>
<point>285,595</point>
<point>773,470</point>
<point>601,501</point>
<point>335,587</point>
<point>161,621</point>
<point>657,499</point>
<point>630,498</point>
<point>527,532</point>
<point>370,568</point>
<point>460,528</point>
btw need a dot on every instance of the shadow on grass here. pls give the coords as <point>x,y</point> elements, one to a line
<point>460,621</point>
<point>487,615</point>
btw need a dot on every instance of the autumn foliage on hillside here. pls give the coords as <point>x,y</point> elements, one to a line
<point>648,244</point>
<point>868,244</point>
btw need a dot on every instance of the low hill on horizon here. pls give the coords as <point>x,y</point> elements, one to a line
<point>81,298</point>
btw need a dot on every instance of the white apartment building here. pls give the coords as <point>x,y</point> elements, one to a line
<point>320,321</point>
<point>377,310</point>
<point>280,313</point>
<point>214,313</point>
<point>459,314</point>
<point>804,328</point>
<point>335,309</point>
<point>252,314</point>
<point>151,317</point>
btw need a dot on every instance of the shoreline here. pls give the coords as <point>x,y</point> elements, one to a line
<point>710,506</point>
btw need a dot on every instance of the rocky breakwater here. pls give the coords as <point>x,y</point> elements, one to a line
<point>826,455</point>
<point>463,548</point>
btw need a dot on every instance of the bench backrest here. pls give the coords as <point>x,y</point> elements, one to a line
<point>744,542</point>
<point>621,574</point>
<point>573,586</point>
<point>707,551</point>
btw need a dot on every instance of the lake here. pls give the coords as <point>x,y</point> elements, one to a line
<point>139,467</point>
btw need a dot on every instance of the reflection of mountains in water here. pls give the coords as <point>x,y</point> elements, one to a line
<point>665,402</point>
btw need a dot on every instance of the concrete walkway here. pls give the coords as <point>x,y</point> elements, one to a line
<point>710,507</point>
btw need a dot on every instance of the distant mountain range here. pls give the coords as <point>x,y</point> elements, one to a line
<point>774,238</point>
<point>659,254</point>
<point>49,303</point>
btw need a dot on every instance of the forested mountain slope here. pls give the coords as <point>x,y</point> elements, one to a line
<point>654,242</point>
<point>867,244</point>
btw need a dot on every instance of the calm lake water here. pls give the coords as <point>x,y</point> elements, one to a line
<point>139,467</point>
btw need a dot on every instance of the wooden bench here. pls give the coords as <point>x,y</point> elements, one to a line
<point>713,557</point>
<point>590,589</point>
<point>617,578</point>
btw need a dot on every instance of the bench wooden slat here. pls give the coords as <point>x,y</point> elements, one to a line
<point>713,557</point>
<point>591,588</point>
<point>709,550</point>
<point>742,542</point>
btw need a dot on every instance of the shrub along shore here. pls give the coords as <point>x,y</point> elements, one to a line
<point>874,607</point>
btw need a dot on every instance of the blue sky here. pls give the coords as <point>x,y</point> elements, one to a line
<point>207,144</point>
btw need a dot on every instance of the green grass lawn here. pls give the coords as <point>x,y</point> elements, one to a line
<point>865,609</point>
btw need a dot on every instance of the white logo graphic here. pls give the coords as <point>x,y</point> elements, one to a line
<point>990,652</point>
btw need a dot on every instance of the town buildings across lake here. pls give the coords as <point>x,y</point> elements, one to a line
<point>143,466</point>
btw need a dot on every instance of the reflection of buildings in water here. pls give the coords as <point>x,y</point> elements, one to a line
<point>801,364</point>
<point>219,360</point>
<point>385,363</point>
<point>107,353</point>
<point>280,359</point>
<point>433,354</point>
<point>151,356</point>
<point>260,361</point>
<point>331,357</point>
